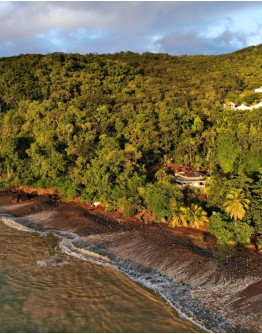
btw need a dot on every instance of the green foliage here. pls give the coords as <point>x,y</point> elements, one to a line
<point>157,198</point>
<point>177,217</point>
<point>96,126</point>
<point>195,216</point>
<point>244,232</point>
<point>236,204</point>
<point>67,189</point>
<point>165,175</point>
<point>254,213</point>
<point>251,98</point>
<point>227,151</point>
<point>222,229</point>
<point>218,187</point>
<point>126,207</point>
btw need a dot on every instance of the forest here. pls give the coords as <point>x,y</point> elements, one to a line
<point>104,127</point>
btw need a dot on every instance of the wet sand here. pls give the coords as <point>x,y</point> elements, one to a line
<point>227,284</point>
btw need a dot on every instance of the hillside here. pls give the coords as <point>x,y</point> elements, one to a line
<point>96,126</point>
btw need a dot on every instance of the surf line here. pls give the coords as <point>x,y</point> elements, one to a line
<point>128,269</point>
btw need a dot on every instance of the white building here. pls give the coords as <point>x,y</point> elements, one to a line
<point>259,105</point>
<point>190,179</point>
<point>243,107</point>
<point>258,90</point>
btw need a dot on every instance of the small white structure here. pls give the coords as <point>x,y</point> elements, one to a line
<point>96,204</point>
<point>243,107</point>
<point>258,90</point>
<point>259,105</point>
<point>190,179</point>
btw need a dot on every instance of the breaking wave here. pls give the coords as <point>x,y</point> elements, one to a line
<point>85,254</point>
<point>201,296</point>
<point>12,222</point>
<point>201,293</point>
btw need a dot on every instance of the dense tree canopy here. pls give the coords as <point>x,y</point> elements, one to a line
<point>95,126</point>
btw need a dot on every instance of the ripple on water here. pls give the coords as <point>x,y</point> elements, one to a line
<point>37,294</point>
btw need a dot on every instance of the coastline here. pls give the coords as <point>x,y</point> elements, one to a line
<point>221,292</point>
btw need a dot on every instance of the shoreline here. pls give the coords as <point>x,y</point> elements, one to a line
<point>222,292</point>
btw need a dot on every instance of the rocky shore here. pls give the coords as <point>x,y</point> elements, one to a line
<point>220,289</point>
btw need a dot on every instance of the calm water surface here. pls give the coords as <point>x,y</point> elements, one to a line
<point>44,290</point>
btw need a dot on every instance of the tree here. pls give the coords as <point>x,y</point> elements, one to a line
<point>157,198</point>
<point>227,151</point>
<point>177,214</point>
<point>235,206</point>
<point>195,216</point>
<point>126,207</point>
<point>221,228</point>
<point>255,210</point>
<point>98,127</point>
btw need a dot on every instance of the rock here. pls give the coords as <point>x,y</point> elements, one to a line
<point>20,197</point>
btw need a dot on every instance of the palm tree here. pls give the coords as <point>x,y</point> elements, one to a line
<point>177,214</point>
<point>235,206</point>
<point>196,216</point>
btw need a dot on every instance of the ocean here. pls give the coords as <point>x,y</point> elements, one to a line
<point>44,288</point>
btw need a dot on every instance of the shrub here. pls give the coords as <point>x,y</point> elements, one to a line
<point>251,98</point>
<point>222,229</point>
<point>157,198</point>
<point>244,232</point>
<point>126,207</point>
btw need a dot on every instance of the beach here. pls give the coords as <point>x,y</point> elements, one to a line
<point>218,290</point>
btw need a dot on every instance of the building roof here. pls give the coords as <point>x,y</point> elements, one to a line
<point>190,176</point>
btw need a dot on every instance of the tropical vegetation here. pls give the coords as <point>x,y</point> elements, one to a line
<point>104,128</point>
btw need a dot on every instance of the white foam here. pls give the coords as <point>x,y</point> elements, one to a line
<point>10,222</point>
<point>202,289</point>
<point>19,223</point>
<point>199,296</point>
<point>69,248</point>
<point>53,261</point>
<point>157,283</point>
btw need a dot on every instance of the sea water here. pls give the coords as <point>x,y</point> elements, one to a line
<point>43,289</point>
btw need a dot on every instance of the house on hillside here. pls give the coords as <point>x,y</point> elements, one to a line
<point>191,179</point>
<point>258,90</point>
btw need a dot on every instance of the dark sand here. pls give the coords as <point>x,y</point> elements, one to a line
<point>179,246</point>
